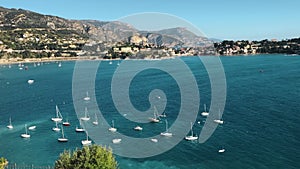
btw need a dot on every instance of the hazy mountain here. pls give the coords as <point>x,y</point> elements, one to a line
<point>187,37</point>
<point>98,31</point>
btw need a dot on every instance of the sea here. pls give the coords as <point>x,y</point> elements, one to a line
<point>261,116</point>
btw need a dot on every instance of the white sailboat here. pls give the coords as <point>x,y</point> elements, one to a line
<point>62,139</point>
<point>30,81</point>
<point>117,140</point>
<point>86,116</point>
<point>80,128</point>
<point>87,141</point>
<point>205,113</point>
<point>32,128</point>
<point>163,115</point>
<point>138,128</point>
<point>59,64</point>
<point>219,120</point>
<point>96,120</point>
<point>154,140</point>
<point>110,61</point>
<point>25,135</point>
<point>154,119</point>
<point>112,129</point>
<point>221,150</point>
<point>10,126</point>
<point>87,98</point>
<point>191,137</point>
<point>56,128</point>
<point>166,133</point>
<point>58,117</point>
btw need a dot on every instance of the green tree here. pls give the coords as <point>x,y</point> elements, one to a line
<point>89,157</point>
<point>3,163</point>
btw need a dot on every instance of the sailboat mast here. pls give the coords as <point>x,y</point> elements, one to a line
<point>62,132</point>
<point>26,128</point>
<point>85,113</point>
<point>56,110</point>
<point>166,126</point>
<point>192,129</point>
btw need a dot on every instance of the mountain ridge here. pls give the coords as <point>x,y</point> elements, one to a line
<point>113,31</point>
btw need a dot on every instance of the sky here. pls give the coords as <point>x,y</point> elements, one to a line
<point>221,19</point>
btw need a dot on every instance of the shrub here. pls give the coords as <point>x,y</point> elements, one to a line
<point>89,157</point>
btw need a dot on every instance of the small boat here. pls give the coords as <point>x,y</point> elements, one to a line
<point>191,137</point>
<point>25,135</point>
<point>154,119</point>
<point>30,81</point>
<point>58,117</point>
<point>219,121</point>
<point>221,150</point>
<point>86,116</point>
<point>87,98</point>
<point>10,126</point>
<point>66,123</point>
<point>32,128</point>
<point>166,133</point>
<point>163,115</point>
<point>154,140</point>
<point>205,113</point>
<point>87,141</point>
<point>56,128</point>
<point>138,128</point>
<point>117,140</point>
<point>110,62</point>
<point>62,139</point>
<point>96,120</point>
<point>59,64</point>
<point>80,128</point>
<point>112,129</point>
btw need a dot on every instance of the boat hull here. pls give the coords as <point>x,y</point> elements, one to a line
<point>62,140</point>
<point>191,138</point>
<point>86,142</point>
<point>25,135</point>
<point>166,134</point>
<point>56,119</point>
<point>116,141</point>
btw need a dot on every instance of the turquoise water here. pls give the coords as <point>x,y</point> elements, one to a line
<point>261,128</point>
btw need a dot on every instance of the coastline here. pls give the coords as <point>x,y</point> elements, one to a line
<point>61,59</point>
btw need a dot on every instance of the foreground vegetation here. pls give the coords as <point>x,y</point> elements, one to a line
<point>3,163</point>
<point>89,157</point>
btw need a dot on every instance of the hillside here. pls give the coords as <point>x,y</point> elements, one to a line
<point>26,34</point>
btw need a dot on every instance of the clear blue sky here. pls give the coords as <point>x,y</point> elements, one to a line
<point>223,19</point>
